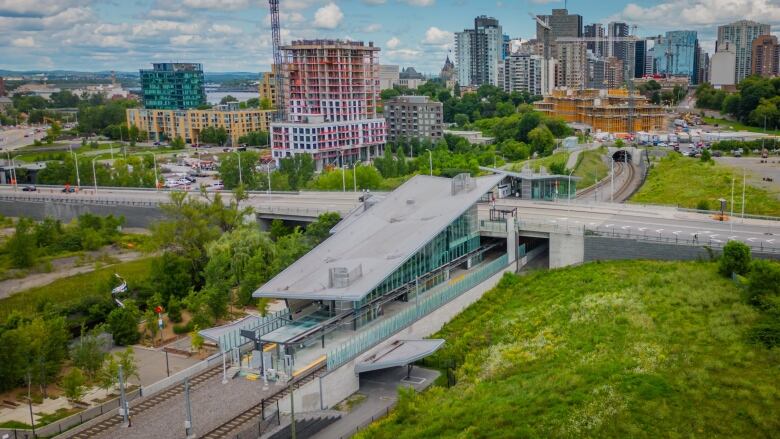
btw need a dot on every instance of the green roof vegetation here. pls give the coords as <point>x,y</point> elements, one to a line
<point>606,350</point>
<point>691,183</point>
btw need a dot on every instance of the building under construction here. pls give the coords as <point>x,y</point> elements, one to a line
<point>609,110</point>
<point>331,92</point>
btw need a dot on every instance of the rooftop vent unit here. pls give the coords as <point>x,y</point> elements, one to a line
<point>342,277</point>
<point>463,183</point>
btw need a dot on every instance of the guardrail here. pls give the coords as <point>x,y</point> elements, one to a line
<point>532,226</point>
<point>427,304</point>
<point>71,421</point>
<point>233,338</point>
<point>492,226</point>
<point>298,211</point>
<point>78,200</point>
<point>706,242</point>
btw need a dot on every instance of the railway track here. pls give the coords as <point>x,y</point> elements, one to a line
<point>233,425</point>
<point>603,182</point>
<point>625,190</point>
<point>147,403</point>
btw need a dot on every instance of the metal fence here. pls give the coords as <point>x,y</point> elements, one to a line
<point>65,424</point>
<point>233,338</point>
<point>492,226</point>
<point>426,304</point>
<point>676,240</point>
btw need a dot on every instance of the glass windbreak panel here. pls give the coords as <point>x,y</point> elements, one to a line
<point>458,239</point>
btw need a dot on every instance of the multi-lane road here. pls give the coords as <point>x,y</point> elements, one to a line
<point>660,222</point>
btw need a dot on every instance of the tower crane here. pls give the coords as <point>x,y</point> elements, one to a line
<point>545,34</point>
<point>279,75</point>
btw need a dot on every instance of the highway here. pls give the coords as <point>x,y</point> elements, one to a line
<point>667,223</point>
<point>12,139</point>
<point>646,221</point>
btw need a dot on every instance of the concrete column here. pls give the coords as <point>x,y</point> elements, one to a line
<point>511,239</point>
<point>566,249</point>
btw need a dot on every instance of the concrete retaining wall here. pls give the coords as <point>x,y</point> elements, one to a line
<point>566,249</point>
<point>135,216</point>
<point>334,387</point>
<point>604,248</point>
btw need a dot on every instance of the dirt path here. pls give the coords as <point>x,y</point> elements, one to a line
<point>64,268</point>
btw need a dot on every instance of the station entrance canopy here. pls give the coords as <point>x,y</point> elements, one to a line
<point>399,353</point>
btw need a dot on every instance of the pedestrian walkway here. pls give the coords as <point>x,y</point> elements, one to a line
<point>380,389</point>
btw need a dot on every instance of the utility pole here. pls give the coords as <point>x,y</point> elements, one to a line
<point>743,195</point>
<point>731,222</point>
<point>343,174</point>
<point>123,400</point>
<point>188,419</point>
<point>612,181</point>
<point>292,411</point>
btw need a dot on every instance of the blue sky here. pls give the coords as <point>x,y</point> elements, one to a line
<point>234,35</point>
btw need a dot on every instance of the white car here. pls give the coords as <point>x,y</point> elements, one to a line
<point>216,186</point>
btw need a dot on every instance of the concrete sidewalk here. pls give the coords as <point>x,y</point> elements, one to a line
<point>381,394</point>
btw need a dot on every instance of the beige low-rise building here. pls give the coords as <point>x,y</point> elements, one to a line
<point>187,124</point>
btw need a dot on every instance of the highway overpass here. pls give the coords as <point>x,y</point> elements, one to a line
<point>572,223</point>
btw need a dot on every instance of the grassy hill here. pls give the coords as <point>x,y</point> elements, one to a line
<point>688,182</point>
<point>605,350</point>
<point>591,167</point>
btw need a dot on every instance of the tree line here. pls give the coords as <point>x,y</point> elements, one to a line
<point>756,101</point>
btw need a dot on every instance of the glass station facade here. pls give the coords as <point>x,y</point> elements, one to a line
<point>458,239</point>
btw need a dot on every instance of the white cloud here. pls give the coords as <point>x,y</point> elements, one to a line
<point>436,36</point>
<point>404,54</point>
<point>328,16</point>
<point>370,28</point>
<point>422,3</point>
<point>23,42</point>
<point>217,4</point>
<point>35,8</point>
<point>225,29</point>
<point>700,13</point>
<point>392,43</point>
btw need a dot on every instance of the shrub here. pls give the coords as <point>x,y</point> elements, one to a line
<point>763,282</point>
<point>703,205</point>
<point>123,323</point>
<point>174,310</point>
<point>183,329</point>
<point>73,384</point>
<point>735,259</point>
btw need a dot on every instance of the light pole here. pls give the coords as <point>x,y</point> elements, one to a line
<point>240,177</point>
<point>612,180</point>
<point>568,189</point>
<point>268,172</point>
<point>430,160</point>
<point>354,175</point>
<point>343,174</point>
<point>13,168</point>
<point>743,195</point>
<point>94,174</point>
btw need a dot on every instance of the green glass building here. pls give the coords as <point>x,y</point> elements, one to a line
<point>173,86</point>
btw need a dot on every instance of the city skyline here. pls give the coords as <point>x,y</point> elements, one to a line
<point>234,35</point>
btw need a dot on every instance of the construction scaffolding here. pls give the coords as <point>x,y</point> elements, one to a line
<point>612,110</point>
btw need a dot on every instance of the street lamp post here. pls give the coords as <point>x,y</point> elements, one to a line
<point>268,172</point>
<point>568,189</point>
<point>354,175</point>
<point>343,174</point>
<point>94,174</point>
<point>430,161</point>
<point>240,177</point>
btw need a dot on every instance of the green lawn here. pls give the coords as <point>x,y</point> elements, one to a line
<point>685,181</point>
<point>590,167</point>
<point>631,349</point>
<point>70,290</point>
<point>558,157</point>
<point>737,126</point>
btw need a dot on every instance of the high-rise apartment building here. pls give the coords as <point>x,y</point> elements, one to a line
<point>765,55</point>
<point>723,65</point>
<point>267,86</point>
<point>619,49</point>
<point>478,52</point>
<point>595,30</point>
<point>173,86</point>
<point>389,75</point>
<point>331,93</point>
<point>741,34</point>
<point>572,64</point>
<point>562,24</point>
<point>417,117</point>
<point>704,67</point>
<point>640,58</point>
<point>526,72</point>
<point>676,54</point>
